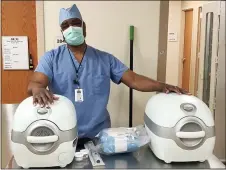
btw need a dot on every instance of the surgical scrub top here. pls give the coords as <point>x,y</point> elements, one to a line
<point>97,70</point>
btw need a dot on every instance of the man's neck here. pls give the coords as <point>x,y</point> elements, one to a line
<point>78,49</point>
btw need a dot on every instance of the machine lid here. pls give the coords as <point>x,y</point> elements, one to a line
<point>167,109</point>
<point>62,112</point>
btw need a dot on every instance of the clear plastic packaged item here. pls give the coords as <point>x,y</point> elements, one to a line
<point>121,140</point>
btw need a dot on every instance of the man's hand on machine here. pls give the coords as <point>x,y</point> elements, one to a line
<point>170,88</point>
<point>43,97</point>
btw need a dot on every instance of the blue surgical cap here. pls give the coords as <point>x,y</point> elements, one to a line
<point>72,12</point>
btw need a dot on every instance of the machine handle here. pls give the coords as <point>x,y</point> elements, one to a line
<point>43,139</point>
<point>190,135</point>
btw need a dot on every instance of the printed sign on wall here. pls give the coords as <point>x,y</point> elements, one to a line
<point>172,36</point>
<point>15,53</point>
<point>58,41</point>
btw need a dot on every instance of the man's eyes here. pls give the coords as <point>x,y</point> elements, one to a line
<point>76,24</point>
<point>66,25</point>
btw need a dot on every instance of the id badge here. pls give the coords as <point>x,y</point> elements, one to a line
<point>78,95</point>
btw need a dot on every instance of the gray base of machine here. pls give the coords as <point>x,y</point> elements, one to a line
<point>142,159</point>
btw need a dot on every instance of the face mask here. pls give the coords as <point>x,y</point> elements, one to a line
<point>74,35</point>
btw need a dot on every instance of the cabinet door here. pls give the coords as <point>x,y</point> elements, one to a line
<point>18,19</point>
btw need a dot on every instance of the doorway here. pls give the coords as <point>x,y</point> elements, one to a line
<point>186,60</point>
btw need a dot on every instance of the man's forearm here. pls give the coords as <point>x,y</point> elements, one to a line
<point>145,84</point>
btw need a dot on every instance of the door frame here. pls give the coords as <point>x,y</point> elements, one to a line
<point>182,47</point>
<point>198,50</point>
<point>195,9</point>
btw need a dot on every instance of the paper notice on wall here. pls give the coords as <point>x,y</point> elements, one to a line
<point>172,36</point>
<point>58,41</point>
<point>15,53</point>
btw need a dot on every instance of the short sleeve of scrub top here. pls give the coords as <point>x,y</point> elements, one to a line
<point>45,65</point>
<point>117,69</point>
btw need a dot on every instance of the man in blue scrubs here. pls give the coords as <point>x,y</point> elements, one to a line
<point>83,74</point>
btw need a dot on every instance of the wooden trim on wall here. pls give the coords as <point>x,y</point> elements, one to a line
<point>181,51</point>
<point>163,36</point>
<point>197,53</point>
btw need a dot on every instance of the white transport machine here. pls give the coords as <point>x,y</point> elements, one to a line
<point>44,137</point>
<point>181,128</point>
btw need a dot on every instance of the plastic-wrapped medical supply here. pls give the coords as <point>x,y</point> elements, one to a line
<point>121,140</point>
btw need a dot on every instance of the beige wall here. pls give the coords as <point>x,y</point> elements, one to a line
<point>40,28</point>
<point>192,4</point>
<point>173,48</point>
